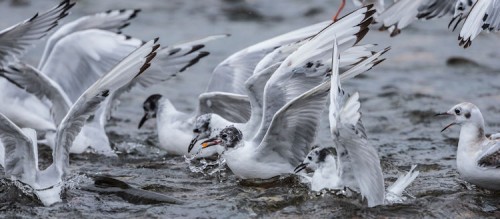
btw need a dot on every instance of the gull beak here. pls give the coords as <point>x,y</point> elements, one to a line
<point>446,114</point>
<point>443,114</point>
<point>211,142</point>
<point>300,167</point>
<point>451,124</point>
<point>143,120</point>
<point>193,142</point>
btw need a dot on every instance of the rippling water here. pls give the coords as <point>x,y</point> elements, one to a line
<point>425,72</point>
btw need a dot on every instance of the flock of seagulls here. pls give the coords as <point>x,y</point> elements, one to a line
<point>261,109</point>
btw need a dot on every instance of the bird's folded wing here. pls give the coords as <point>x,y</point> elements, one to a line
<point>491,156</point>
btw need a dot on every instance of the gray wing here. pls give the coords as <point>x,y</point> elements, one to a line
<point>492,21</point>
<point>28,78</point>
<point>293,129</point>
<point>16,39</point>
<point>436,9</point>
<point>231,74</point>
<point>125,71</point>
<point>112,20</point>
<point>255,90</point>
<point>310,64</point>
<point>355,153</point>
<point>363,157</point>
<point>399,15</point>
<point>230,106</point>
<point>491,157</point>
<point>170,61</point>
<point>80,59</point>
<point>484,15</point>
<point>20,150</point>
<point>402,13</point>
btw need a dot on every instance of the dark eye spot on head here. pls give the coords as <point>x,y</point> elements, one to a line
<point>467,115</point>
<point>457,111</point>
<point>309,157</point>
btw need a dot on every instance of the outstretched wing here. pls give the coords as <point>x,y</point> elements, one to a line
<point>169,62</point>
<point>404,12</point>
<point>351,142</point>
<point>20,150</point>
<point>80,59</point>
<point>231,74</point>
<point>436,9</point>
<point>484,15</point>
<point>112,20</point>
<point>126,70</point>
<point>363,157</point>
<point>16,39</point>
<point>492,21</point>
<point>28,78</point>
<point>255,90</point>
<point>309,65</point>
<point>293,129</point>
<point>230,106</point>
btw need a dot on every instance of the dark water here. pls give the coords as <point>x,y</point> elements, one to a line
<point>425,72</point>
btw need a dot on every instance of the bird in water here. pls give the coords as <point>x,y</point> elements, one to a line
<point>478,156</point>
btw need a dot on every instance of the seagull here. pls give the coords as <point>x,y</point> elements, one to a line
<point>478,156</point>
<point>225,95</point>
<point>22,110</point>
<point>97,50</point>
<point>21,156</point>
<point>309,56</point>
<point>357,165</point>
<point>326,175</point>
<point>14,42</point>
<point>293,99</point>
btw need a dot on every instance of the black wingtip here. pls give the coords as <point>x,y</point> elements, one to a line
<point>134,14</point>
<point>195,60</point>
<point>195,48</point>
<point>156,39</point>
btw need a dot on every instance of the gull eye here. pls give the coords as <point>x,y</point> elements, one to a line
<point>457,111</point>
<point>309,157</point>
<point>224,136</point>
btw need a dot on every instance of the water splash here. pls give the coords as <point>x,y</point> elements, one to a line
<point>206,167</point>
<point>76,180</point>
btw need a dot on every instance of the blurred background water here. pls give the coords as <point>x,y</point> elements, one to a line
<point>425,72</point>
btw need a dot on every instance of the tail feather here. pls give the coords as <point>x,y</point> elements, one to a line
<point>395,191</point>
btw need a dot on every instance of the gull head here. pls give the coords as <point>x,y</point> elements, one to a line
<point>229,137</point>
<point>150,107</point>
<point>314,159</point>
<point>202,126</point>
<point>201,129</point>
<point>464,113</point>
